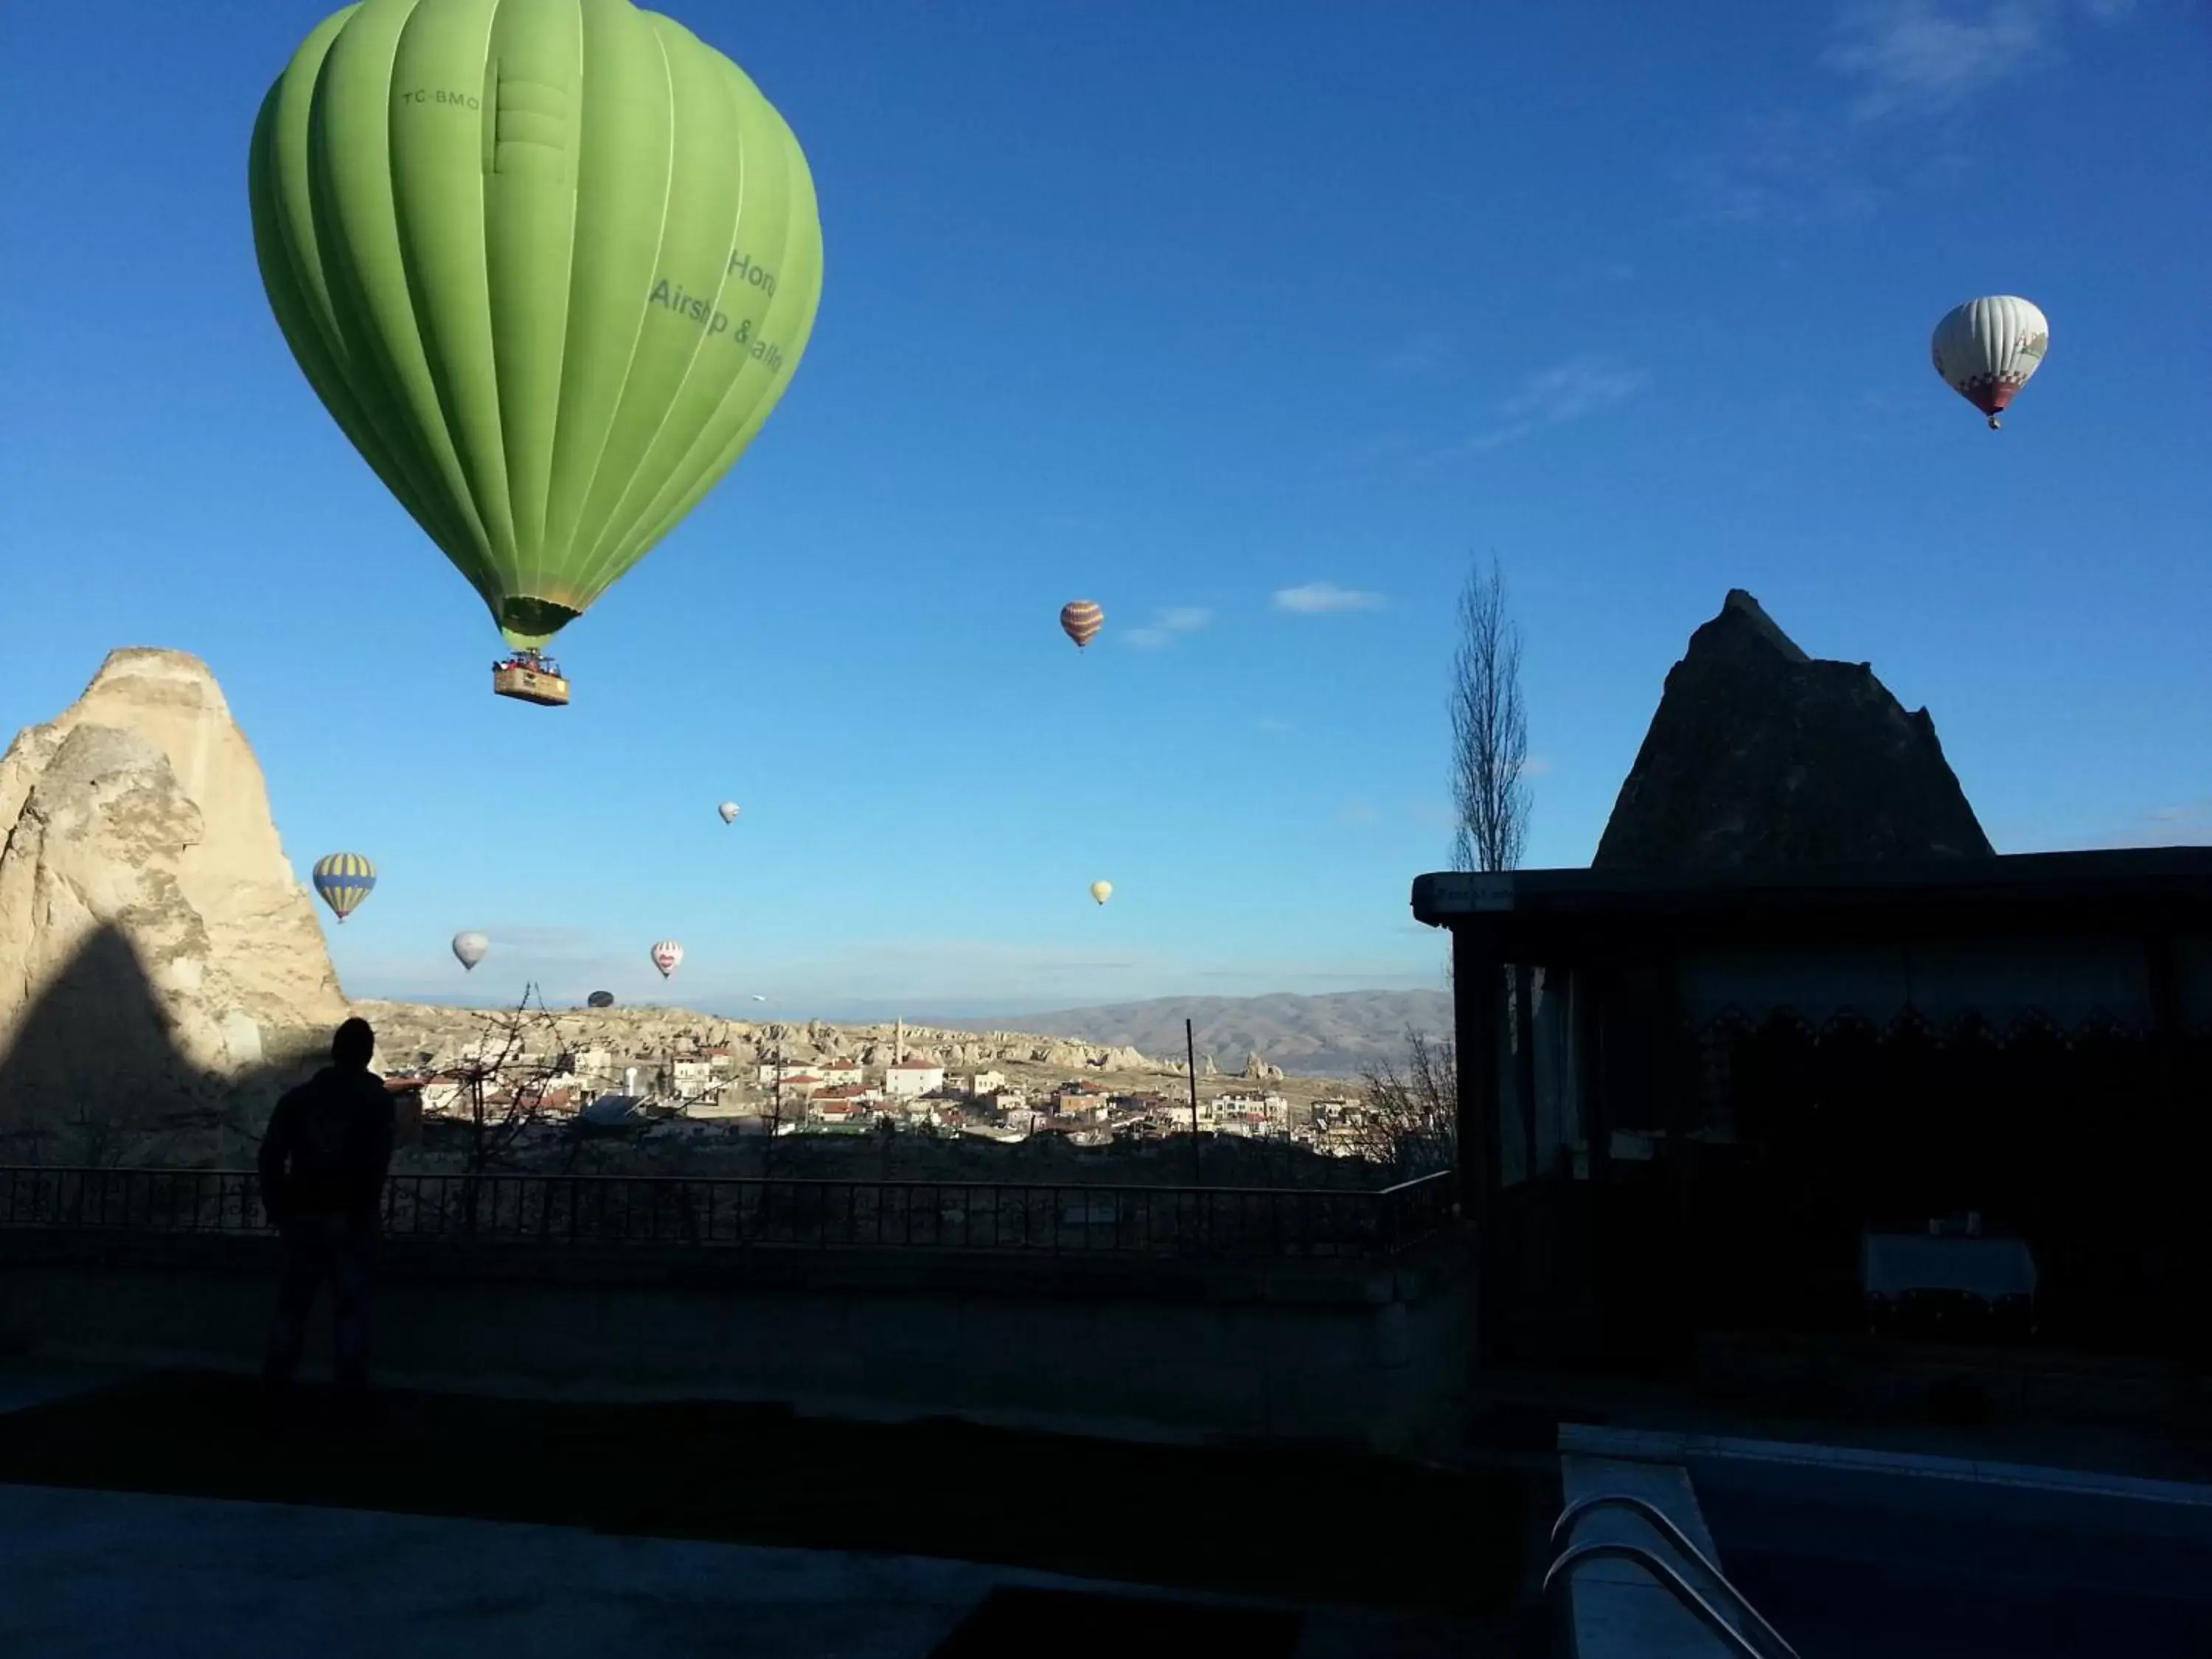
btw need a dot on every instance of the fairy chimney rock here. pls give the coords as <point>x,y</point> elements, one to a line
<point>1762,758</point>
<point>156,942</point>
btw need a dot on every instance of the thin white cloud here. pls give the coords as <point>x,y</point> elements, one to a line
<point>1274,725</point>
<point>1166,625</point>
<point>1358,812</point>
<point>1922,58</point>
<point>1375,455</point>
<point>1901,62</point>
<point>1790,168</point>
<point>1573,390</point>
<point>2189,825</point>
<point>1424,354</point>
<point>1567,391</point>
<point>532,936</point>
<point>1320,598</point>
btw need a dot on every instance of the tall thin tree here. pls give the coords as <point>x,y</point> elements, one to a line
<point>1490,730</point>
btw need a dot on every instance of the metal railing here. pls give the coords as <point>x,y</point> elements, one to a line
<point>1563,1566</point>
<point>756,1211</point>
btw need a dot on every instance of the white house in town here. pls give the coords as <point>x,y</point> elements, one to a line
<point>910,1079</point>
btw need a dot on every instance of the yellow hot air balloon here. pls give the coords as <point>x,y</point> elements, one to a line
<point>549,264</point>
<point>1101,890</point>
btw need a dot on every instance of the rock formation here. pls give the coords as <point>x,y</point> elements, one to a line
<point>1257,1070</point>
<point>156,947</point>
<point>1762,757</point>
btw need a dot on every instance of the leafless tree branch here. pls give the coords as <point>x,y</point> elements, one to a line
<point>1410,1118</point>
<point>1490,730</point>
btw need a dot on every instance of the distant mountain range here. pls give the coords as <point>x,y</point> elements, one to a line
<point>1340,1035</point>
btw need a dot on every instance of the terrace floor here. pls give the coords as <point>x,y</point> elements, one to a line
<point>172,1513</point>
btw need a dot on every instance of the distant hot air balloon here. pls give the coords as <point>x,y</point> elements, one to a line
<point>1101,890</point>
<point>1081,619</point>
<point>1988,348</point>
<point>728,809</point>
<point>343,880</point>
<point>600,999</point>
<point>665,957</point>
<point>548,266</point>
<point>471,948</point>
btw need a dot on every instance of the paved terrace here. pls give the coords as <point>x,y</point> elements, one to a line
<point>760,1418</point>
<point>168,1514</point>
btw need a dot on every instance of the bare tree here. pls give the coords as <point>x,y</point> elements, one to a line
<point>1490,730</point>
<point>505,1076</point>
<point>1409,1118</point>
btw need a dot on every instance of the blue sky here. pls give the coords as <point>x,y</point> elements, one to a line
<point>1254,321</point>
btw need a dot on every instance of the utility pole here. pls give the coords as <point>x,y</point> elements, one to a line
<point>1190,1068</point>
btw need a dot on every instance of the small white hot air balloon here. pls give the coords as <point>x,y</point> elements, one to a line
<point>665,957</point>
<point>728,809</point>
<point>1101,890</point>
<point>471,948</point>
<point>1987,349</point>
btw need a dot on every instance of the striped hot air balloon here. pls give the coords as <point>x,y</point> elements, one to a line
<point>665,957</point>
<point>1081,619</point>
<point>342,880</point>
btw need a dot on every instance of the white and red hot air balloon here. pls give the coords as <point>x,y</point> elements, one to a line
<point>666,955</point>
<point>1080,620</point>
<point>1987,349</point>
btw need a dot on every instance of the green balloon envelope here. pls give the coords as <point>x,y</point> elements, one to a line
<point>549,264</point>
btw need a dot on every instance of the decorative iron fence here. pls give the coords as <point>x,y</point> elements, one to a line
<point>558,1211</point>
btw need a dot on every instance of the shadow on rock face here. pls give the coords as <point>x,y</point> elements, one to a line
<point>95,1074</point>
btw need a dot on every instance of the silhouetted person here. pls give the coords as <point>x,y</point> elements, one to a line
<point>323,1164</point>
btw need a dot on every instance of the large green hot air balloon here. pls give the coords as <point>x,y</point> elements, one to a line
<point>549,264</point>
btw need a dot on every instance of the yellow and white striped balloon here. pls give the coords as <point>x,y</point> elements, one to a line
<point>343,880</point>
<point>1081,619</point>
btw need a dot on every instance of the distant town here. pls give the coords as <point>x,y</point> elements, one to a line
<point>705,1083</point>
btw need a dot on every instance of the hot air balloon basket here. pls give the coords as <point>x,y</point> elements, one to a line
<point>529,685</point>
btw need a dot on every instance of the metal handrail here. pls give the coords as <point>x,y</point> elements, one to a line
<point>519,1209</point>
<point>1675,1534</point>
<point>1683,1591</point>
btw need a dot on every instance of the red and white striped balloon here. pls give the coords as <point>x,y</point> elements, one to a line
<point>665,957</point>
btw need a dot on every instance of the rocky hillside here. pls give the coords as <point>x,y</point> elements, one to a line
<point>1340,1035</point>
